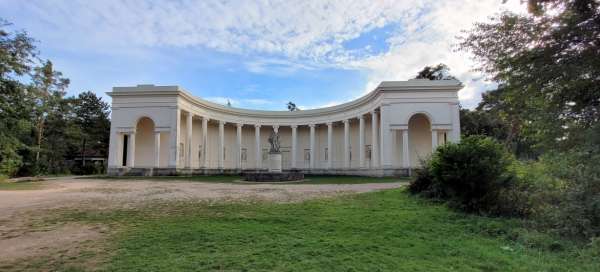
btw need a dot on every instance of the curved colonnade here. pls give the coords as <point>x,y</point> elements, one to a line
<point>164,130</point>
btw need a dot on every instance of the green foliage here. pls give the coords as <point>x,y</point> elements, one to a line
<point>472,175</point>
<point>291,106</point>
<point>577,213</point>
<point>544,64</point>
<point>17,52</point>
<point>438,72</point>
<point>41,132</point>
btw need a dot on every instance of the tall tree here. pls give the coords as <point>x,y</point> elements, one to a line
<point>50,87</point>
<point>547,64</point>
<point>91,116</point>
<point>17,52</point>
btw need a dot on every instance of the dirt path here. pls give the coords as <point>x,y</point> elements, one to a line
<point>21,209</point>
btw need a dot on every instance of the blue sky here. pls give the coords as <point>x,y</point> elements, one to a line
<point>256,54</point>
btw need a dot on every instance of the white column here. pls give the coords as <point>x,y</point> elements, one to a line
<point>131,150</point>
<point>258,155</point>
<point>115,154</point>
<point>329,144</point>
<point>221,143</point>
<point>238,160</point>
<point>387,144</point>
<point>312,146</point>
<point>205,142</point>
<point>113,146</point>
<point>361,141</point>
<point>434,139</point>
<point>405,149</point>
<point>346,143</point>
<point>188,140</point>
<point>374,140</point>
<point>157,149</point>
<point>119,152</point>
<point>294,143</point>
<point>455,132</point>
<point>381,142</point>
<point>174,139</point>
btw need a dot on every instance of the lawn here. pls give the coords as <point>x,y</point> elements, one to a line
<point>22,185</point>
<point>309,179</point>
<point>382,231</point>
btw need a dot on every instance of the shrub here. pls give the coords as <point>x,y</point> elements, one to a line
<point>576,211</point>
<point>472,175</point>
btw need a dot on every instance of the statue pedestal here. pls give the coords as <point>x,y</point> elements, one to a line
<point>275,162</point>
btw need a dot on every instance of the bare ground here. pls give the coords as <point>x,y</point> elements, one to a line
<point>23,234</point>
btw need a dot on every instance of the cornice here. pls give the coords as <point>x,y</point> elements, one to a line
<point>147,91</point>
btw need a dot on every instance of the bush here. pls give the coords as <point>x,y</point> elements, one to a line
<point>576,211</point>
<point>472,175</point>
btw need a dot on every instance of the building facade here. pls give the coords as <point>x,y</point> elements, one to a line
<point>164,130</point>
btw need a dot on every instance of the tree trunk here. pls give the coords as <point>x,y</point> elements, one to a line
<point>40,133</point>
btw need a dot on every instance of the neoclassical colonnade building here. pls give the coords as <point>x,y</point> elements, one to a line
<point>164,130</point>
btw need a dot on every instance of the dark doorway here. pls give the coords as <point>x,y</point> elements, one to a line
<point>125,144</point>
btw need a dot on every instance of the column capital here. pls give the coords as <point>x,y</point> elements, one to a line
<point>346,121</point>
<point>205,119</point>
<point>373,112</point>
<point>222,123</point>
<point>311,125</point>
<point>361,117</point>
<point>276,128</point>
<point>256,125</point>
<point>294,126</point>
<point>239,125</point>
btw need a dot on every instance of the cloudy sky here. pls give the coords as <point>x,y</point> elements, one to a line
<point>256,54</point>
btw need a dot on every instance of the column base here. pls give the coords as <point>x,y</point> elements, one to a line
<point>171,171</point>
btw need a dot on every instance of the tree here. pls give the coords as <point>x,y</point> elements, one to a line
<point>17,52</point>
<point>50,87</point>
<point>438,72</point>
<point>547,64</point>
<point>292,107</point>
<point>91,116</point>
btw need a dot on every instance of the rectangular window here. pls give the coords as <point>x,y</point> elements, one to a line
<point>326,154</point>
<point>224,153</point>
<point>368,153</point>
<point>200,152</point>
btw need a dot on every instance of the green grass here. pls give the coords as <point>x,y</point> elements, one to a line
<point>23,185</point>
<point>232,178</point>
<point>381,231</point>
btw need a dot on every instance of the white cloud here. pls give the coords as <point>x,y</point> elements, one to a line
<point>278,37</point>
